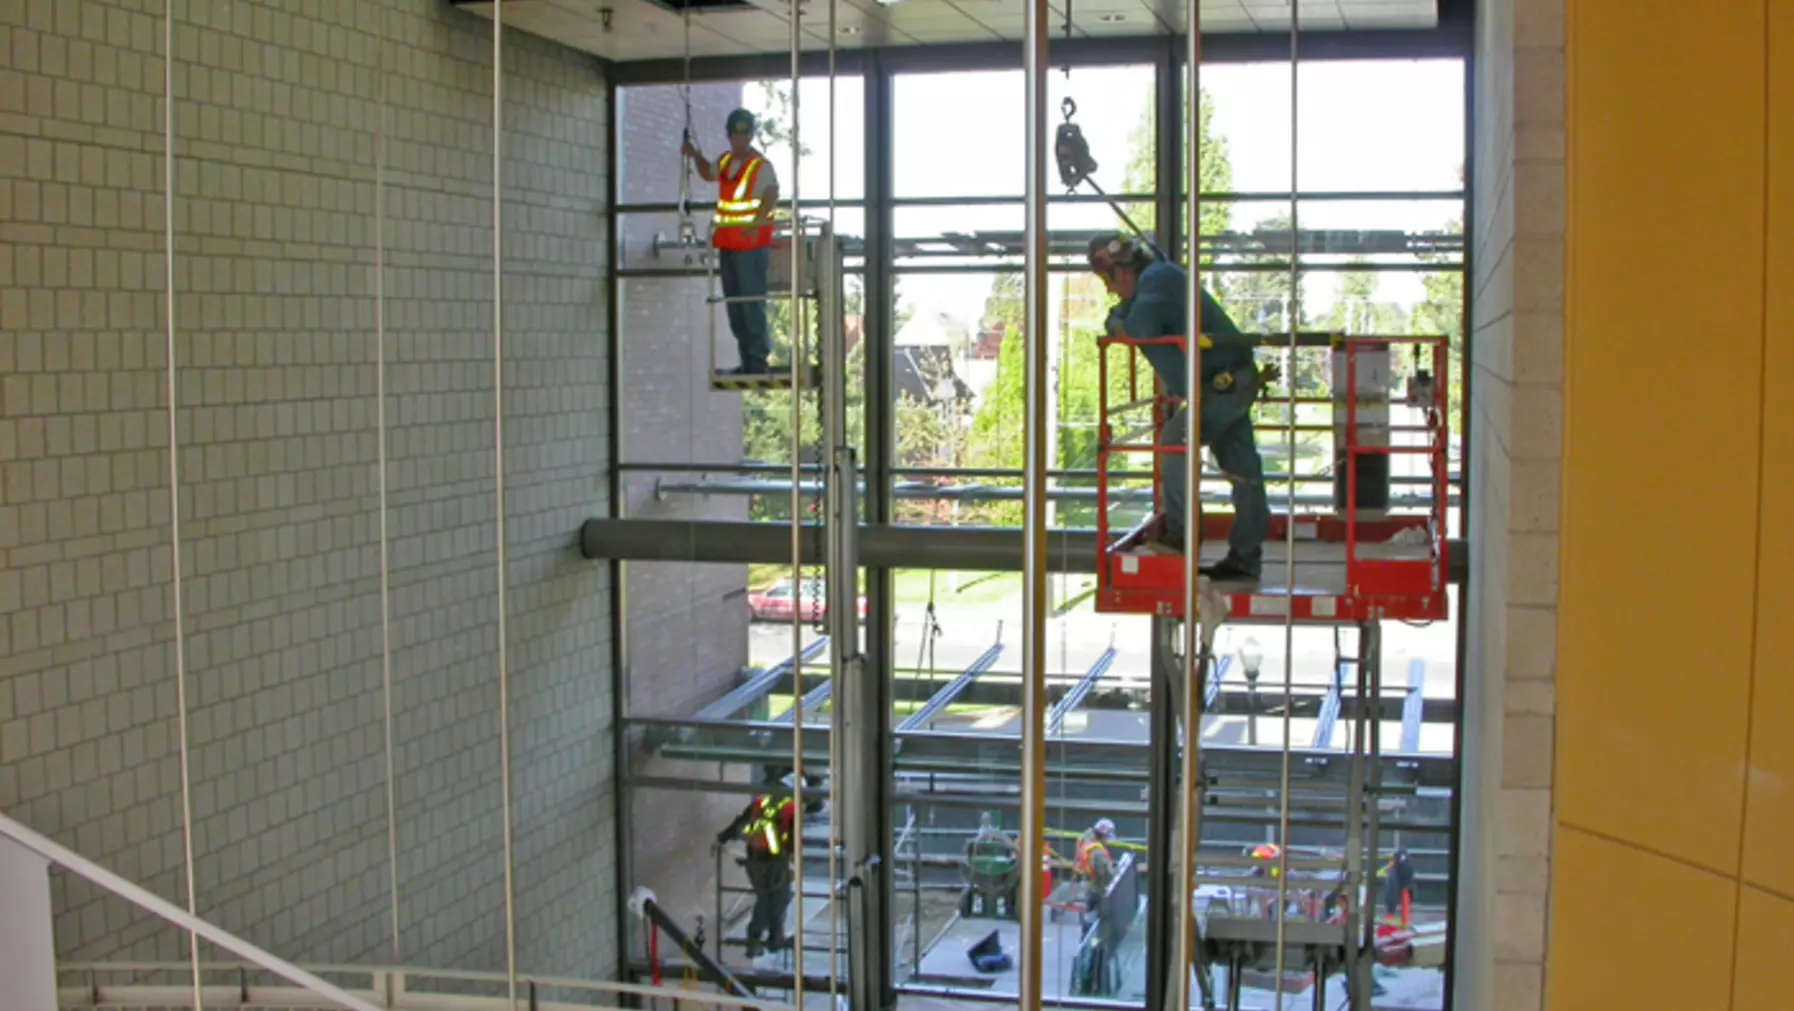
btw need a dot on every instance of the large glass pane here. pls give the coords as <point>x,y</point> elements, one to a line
<point>1365,126</point>
<point>961,134</point>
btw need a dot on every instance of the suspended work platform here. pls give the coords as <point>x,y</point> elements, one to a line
<point>1362,561</point>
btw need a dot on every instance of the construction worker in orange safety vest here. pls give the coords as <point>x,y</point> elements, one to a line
<point>1095,864</point>
<point>747,195</point>
<point>766,826</point>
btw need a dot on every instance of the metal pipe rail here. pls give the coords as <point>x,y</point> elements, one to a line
<point>896,546</point>
<point>148,901</point>
<point>388,988</point>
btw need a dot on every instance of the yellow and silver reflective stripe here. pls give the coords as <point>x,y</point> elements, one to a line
<point>736,209</point>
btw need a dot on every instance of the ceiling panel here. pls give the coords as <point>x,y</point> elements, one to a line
<point>628,30</point>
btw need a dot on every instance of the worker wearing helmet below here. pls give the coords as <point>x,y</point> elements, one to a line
<point>1151,293</point>
<point>766,826</point>
<point>747,195</point>
<point>1095,864</point>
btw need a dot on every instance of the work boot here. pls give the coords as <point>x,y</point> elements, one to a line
<point>1231,569</point>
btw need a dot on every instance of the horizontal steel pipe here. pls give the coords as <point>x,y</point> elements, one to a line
<point>966,549</point>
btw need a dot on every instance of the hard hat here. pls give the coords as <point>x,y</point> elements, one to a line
<point>1105,828</point>
<point>740,121</point>
<point>789,780</point>
<point>1114,249</point>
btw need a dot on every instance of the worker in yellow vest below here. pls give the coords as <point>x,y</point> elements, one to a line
<point>1096,865</point>
<point>747,195</point>
<point>767,826</point>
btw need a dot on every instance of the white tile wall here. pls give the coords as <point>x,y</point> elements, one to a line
<point>276,119</point>
<point>1517,410</point>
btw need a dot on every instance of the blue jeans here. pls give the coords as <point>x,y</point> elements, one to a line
<point>744,273</point>
<point>1226,430</point>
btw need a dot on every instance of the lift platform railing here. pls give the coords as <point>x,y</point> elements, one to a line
<point>1394,563</point>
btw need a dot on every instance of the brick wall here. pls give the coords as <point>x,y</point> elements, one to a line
<point>277,110</point>
<point>687,623</point>
<point>1516,445</point>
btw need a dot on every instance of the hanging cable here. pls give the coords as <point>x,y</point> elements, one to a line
<point>498,490</point>
<point>1289,527</point>
<point>796,316</point>
<point>174,493</point>
<point>1189,816</point>
<point>688,229</point>
<point>392,786</point>
<point>830,331</point>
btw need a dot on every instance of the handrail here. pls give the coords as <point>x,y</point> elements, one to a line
<point>396,980</point>
<point>141,897</point>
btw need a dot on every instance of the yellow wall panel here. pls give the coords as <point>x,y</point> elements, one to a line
<point>1663,331</point>
<point>1634,930</point>
<point>1765,925</point>
<point>1769,821</point>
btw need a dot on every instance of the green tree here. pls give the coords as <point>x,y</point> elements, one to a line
<point>1142,175</point>
<point>1442,312</point>
<point>1356,309</point>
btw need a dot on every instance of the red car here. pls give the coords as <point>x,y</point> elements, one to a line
<point>775,602</point>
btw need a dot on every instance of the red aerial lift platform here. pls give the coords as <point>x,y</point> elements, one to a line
<point>1352,564</point>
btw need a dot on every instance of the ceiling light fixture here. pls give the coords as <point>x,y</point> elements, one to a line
<point>850,30</point>
<point>1113,19</point>
<point>886,3</point>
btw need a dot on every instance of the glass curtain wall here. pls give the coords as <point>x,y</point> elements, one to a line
<point>710,690</point>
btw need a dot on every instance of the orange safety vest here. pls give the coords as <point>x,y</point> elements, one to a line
<point>771,825</point>
<point>1087,846</point>
<point>737,207</point>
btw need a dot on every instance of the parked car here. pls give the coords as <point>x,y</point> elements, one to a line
<point>778,601</point>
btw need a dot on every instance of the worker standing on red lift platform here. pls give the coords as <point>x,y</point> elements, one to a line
<point>747,195</point>
<point>1151,291</point>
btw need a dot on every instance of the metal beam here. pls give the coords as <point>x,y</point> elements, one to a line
<point>1448,41</point>
<point>954,688</point>
<point>1003,688</point>
<point>1216,677</point>
<point>1414,706</point>
<point>1079,692</point>
<point>759,686</point>
<point>964,549</point>
<point>1330,706</point>
<point>813,698</point>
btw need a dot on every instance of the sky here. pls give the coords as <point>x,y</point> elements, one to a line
<point>1364,125</point>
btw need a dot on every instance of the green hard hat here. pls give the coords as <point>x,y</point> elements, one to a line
<point>741,121</point>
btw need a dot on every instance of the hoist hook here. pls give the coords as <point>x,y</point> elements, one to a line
<point>1068,108</point>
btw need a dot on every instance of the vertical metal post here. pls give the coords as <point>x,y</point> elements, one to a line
<point>1162,807</point>
<point>1034,483</point>
<point>1370,655</point>
<point>871,977</point>
<point>1168,151</point>
<point>1195,645</point>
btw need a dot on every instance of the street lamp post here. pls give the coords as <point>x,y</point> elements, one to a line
<point>1251,657</point>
